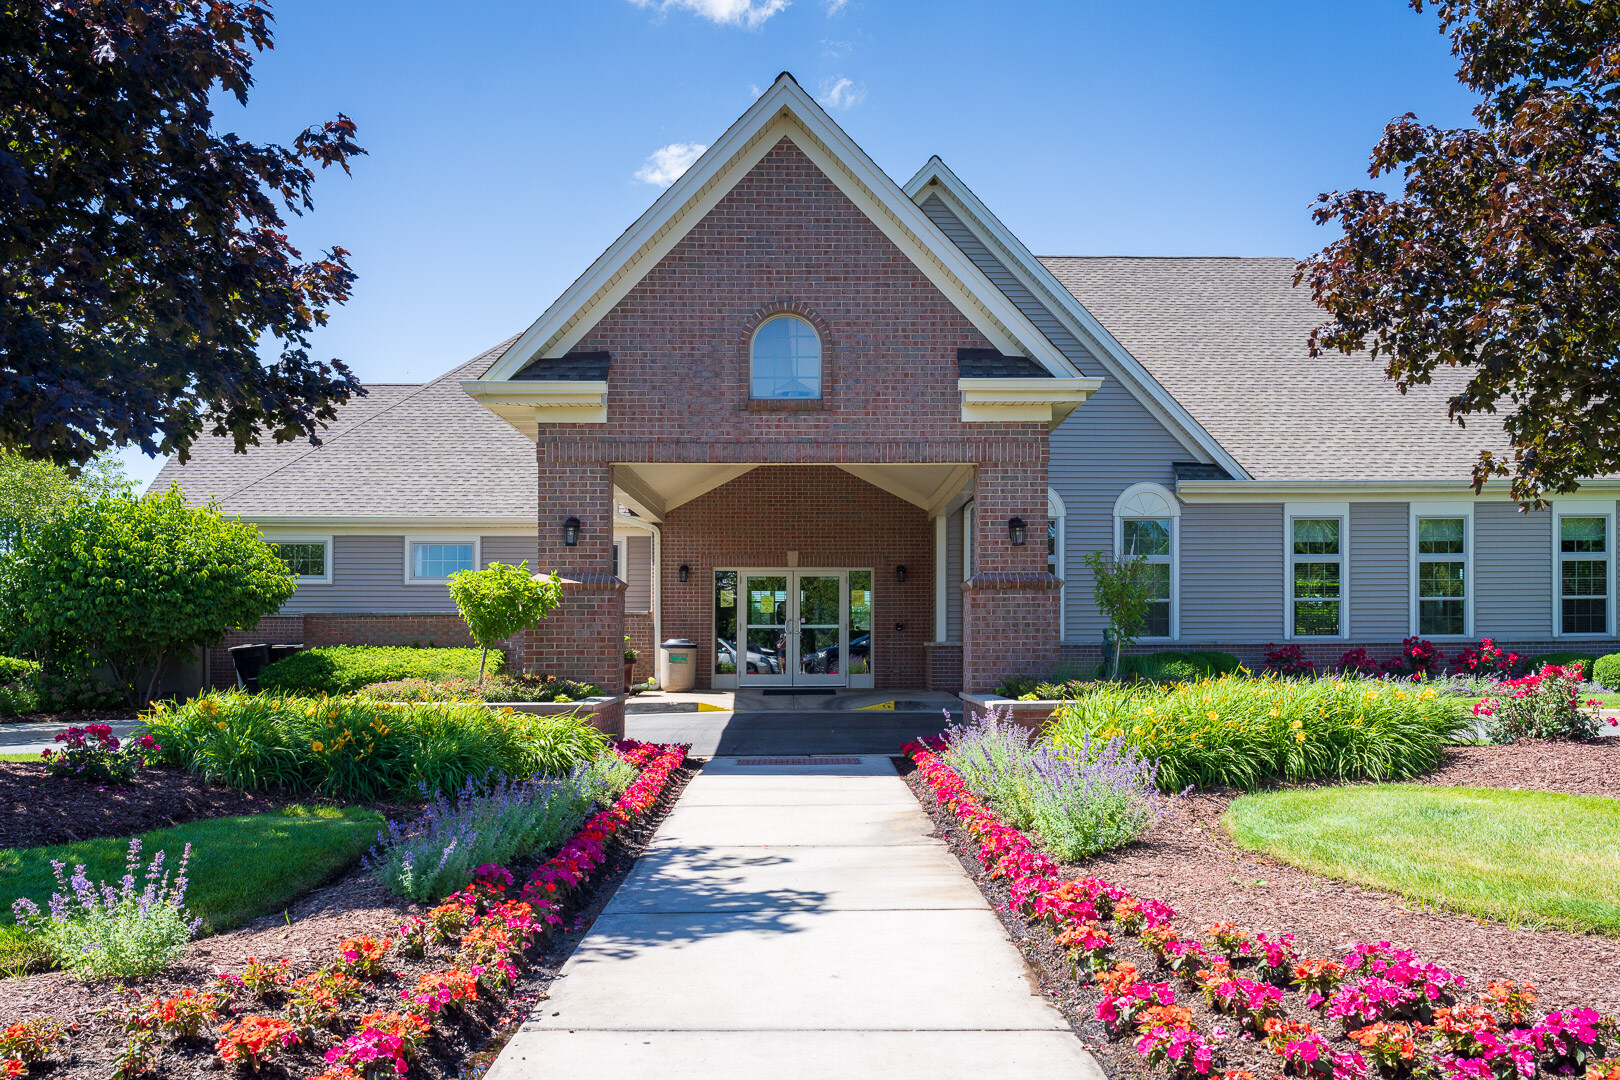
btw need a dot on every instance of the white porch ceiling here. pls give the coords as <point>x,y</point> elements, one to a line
<point>653,489</point>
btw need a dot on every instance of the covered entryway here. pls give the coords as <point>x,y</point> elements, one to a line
<point>793,627</point>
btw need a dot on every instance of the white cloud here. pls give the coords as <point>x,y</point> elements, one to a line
<point>838,92</point>
<point>835,6</point>
<point>749,13</point>
<point>754,91</point>
<point>665,165</point>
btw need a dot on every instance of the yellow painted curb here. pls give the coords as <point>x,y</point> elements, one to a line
<point>704,706</point>
<point>887,706</point>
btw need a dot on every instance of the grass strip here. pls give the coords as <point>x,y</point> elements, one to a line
<point>1529,858</point>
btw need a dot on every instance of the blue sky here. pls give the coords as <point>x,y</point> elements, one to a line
<point>506,142</point>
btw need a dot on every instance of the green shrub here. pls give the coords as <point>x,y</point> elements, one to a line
<point>1017,686</point>
<point>1178,665</point>
<point>342,669</point>
<point>527,688</point>
<point>12,669</point>
<point>1240,732</point>
<point>1563,659</point>
<point>1606,671</point>
<point>355,748</point>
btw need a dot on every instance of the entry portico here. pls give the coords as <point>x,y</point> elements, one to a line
<point>788,373</point>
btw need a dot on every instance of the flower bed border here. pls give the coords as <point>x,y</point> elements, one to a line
<point>1493,1042</point>
<point>494,937</point>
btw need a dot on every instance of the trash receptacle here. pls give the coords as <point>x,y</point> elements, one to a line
<point>249,660</point>
<point>680,660</point>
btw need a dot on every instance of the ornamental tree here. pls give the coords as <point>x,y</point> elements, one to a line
<point>1501,254</point>
<point>130,582</point>
<point>143,255</point>
<point>32,491</point>
<point>1122,589</point>
<point>501,601</point>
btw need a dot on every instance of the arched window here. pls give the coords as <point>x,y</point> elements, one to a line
<point>1056,560</point>
<point>785,359</point>
<point>1147,522</point>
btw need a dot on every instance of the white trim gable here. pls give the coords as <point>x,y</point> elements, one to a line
<point>783,111</point>
<point>936,178</point>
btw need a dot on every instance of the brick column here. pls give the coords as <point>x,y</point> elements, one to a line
<point>584,637</point>
<point>1010,604</point>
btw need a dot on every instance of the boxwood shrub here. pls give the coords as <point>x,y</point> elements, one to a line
<point>340,669</point>
<point>1564,659</point>
<point>1606,671</point>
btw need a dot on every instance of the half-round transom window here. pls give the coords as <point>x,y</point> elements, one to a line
<point>785,359</point>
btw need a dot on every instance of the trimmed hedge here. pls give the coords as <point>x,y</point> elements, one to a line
<point>1564,659</point>
<point>1606,670</point>
<point>1177,665</point>
<point>342,669</point>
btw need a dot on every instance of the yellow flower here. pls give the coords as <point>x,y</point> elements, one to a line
<point>1299,737</point>
<point>317,746</point>
<point>1401,694</point>
<point>1297,725</point>
<point>1275,713</point>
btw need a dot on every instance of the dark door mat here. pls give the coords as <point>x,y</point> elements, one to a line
<point>786,691</point>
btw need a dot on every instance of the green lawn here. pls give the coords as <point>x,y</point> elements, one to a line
<point>241,867</point>
<point>1526,857</point>
<point>1608,699</point>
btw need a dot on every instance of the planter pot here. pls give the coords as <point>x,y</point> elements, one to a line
<point>1029,714</point>
<point>629,673</point>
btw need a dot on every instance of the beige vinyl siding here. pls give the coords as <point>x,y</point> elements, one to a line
<point>1513,576</point>
<point>637,572</point>
<point>510,550</point>
<point>1232,572</point>
<point>1380,592</point>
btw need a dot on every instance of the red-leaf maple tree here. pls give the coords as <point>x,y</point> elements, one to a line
<point>143,255</point>
<point>1501,253</point>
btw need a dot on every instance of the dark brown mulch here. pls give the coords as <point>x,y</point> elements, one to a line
<point>74,716</point>
<point>1189,864</point>
<point>1572,768</point>
<point>307,935</point>
<point>38,809</point>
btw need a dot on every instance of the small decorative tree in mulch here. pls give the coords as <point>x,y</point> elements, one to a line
<point>501,601</point>
<point>1123,589</point>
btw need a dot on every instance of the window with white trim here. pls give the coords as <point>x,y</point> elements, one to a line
<point>785,359</point>
<point>1055,554</point>
<point>967,539</point>
<point>620,563</point>
<point>1583,574</point>
<point>1442,576</point>
<point>435,560</point>
<point>1146,524</point>
<point>310,561</point>
<point>1316,562</point>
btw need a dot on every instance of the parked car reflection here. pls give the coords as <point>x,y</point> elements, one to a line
<point>761,661</point>
<point>825,661</point>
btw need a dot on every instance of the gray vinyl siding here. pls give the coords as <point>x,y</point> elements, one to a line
<point>637,573</point>
<point>1004,279</point>
<point>1513,582</point>
<point>1232,572</point>
<point>953,577</point>
<point>1105,446</point>
<point>368,577</point>
<point>1380,592</point>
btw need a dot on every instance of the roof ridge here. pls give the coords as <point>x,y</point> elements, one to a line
<point>419,388</point>
<point>1181,258</point>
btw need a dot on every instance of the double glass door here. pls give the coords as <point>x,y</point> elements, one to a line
<point>794,627</point>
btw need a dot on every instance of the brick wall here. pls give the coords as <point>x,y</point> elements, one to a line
<point>638,627</point>
<point>1010,606</point>
<point>944,666</point>
<point>832,520</point>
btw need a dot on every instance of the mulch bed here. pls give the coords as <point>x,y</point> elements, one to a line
<point>38,809</point>
<point>1571,768</point>
<point>307,935</point>
<point>1189,863</point>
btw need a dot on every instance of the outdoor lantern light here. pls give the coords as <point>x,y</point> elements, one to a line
<point>1016,530</point>
<point>571,532</point>
<point>899,573</point>
<point>685,571</point>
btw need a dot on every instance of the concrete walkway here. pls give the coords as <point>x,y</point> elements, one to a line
<point>796,921</point>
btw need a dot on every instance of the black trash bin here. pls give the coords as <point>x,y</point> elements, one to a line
<point>281,652</point>
<point>249,660</point>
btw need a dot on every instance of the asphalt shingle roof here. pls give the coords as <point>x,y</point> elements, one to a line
<point>990,364</point>
<point>1227,338</point>
<point>401,451</point>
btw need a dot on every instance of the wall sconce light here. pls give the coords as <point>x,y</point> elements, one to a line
<point>685,572</point>
<point>899,573</point>
<point>1017,531</point>
<point>571,532</point>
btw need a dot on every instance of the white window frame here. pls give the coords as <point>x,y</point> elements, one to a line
<point>324,540</point>
<point>1154,502</point>
<point>821,358</point>
<point>621,555</point>
<point>1057,514</point>
<point>967,540</point>
<point>1425,510</point>
<point>412,541</point>
<point>1316,511</point>
<point>1561,509</point>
